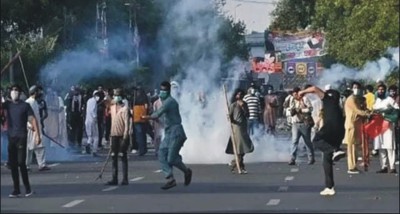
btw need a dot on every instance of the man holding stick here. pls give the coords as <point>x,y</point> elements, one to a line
<point>238,114</point>
<point>174,137</point>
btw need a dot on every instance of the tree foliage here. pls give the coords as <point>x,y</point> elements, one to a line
<point>357,30</point>
<point>292,15</point>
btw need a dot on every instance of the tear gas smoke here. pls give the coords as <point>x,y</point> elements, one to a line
<point>206,123</point>
<point>372,70</point>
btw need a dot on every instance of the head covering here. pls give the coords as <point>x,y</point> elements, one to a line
<point>328,87</point>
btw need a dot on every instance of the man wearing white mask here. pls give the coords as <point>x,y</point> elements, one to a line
<point>19,113</point>
<point>353,124</point>
<point>91,125</point>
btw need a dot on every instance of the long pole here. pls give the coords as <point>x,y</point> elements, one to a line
<point>232,133</point>
<point>23,72</point>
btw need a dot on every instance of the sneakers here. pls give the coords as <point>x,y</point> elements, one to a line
<point>169,184</point>
<point>188,177</point>
<point>353,171</point>
<point>133,151</point>
<point>338,155</point>
<point>243,171</point>
<point>14,194</point>
<point>29,193</point>
<point>328,192</point>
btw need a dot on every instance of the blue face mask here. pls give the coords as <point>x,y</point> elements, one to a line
<point>164,94</point>
<point>117,99</point>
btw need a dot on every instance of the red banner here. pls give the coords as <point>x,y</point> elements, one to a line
<point>376,126</point>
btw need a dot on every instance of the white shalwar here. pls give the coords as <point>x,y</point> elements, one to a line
<point>386,141</point>
<point>91,124</point>
<point>31,145</point>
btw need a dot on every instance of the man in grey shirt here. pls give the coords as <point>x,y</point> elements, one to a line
<point>174,137</point>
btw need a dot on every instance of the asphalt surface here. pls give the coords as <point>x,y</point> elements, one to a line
<point>268,187</point>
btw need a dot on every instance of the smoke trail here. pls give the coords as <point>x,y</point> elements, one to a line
<point>374,70</point>
<point>191,33</point>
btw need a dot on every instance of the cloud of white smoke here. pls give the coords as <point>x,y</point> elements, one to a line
<point>206,126</point>
<point>371,71</point>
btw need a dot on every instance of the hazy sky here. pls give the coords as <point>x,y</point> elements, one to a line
<point>254,13</point>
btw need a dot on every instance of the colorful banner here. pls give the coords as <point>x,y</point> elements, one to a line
<point>297,47</point>
<point>269,64</point>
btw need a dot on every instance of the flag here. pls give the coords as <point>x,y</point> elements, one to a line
<point>377,126</point>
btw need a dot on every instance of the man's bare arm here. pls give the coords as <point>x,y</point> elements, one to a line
<point>313,89</point>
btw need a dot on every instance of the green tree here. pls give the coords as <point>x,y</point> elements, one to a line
<point>292,15</point>
<point>358,31</point>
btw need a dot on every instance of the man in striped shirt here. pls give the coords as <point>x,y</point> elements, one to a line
<point>253,103</point>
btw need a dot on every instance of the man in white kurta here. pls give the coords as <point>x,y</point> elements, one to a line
<point>386,141</point>
<point>32,146</point>
<point>91,123</point>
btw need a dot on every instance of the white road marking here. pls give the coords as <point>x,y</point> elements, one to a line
<point>289,178</point>
<point>137,179</point>
<point>109,189</point>
<point>157,171</point>
<point>73,203</point>
<point>273,202</point>
<point>283,188</point>
<point>53,165</point>
<point>294,170</point>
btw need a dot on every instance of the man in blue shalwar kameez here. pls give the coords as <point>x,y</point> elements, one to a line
<point>174,137</point>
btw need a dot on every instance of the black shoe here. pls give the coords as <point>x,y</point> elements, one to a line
<point>188,177</point>
<point>311,162</point>
<point>384,170</point>
<point>45,168</point>
<point>15,194</point>
<point>94,154</point>
<point>124,182</point>
<point>112,183</point>
<point>169,184</point>
<point>292,162</point>
<point>393,171</point>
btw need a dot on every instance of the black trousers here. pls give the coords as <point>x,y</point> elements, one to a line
<point>327,162</point>
<point>107,128</point>
<point>76,131</point>
<point>100,127</point>
<point>119,148</point>
<point>17,160</point>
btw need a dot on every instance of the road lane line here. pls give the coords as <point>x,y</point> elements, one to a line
<point>273,202</point>
<point>283,189</point>
<point>289,178</point>
<point>109,189</point>
<point>53,164</point>
<point>157,171</point>
<point>294,170</point>
<point>73,203</point>
<point>137,179</point>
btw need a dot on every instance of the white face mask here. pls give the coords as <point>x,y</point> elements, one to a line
<point>356,91</point>
<point>252,91</point>
<point>97,98</point>
<point>269,91</point>
<point>14,95</point>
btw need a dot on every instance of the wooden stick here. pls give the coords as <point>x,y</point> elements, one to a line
<point>23,71</point>
<point>10,62</point>
<point>232,133</point>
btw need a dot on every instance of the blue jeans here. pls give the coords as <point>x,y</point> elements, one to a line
<point>252,125</point>
<point>4,146</point>
<point>301,130</point>
<point>169,156</point>
<point>140,137</point>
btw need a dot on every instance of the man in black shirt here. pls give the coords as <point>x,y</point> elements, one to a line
<point>329,137</point>
<point>18,114</point>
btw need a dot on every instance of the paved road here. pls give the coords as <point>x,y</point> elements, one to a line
<point>269,187</point>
